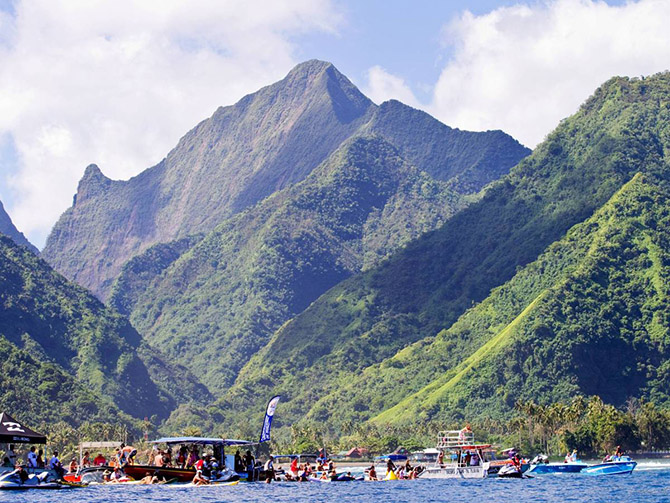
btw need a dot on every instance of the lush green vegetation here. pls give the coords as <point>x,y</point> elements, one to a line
<point>522,342</point>
<point>214,306</point>
<point>64,355</point>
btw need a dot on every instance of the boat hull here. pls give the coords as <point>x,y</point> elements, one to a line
<point>455,472</point>
<point>615,468</point>
<point>552,468</point>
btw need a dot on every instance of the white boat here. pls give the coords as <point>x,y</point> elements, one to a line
<point>461,457</point>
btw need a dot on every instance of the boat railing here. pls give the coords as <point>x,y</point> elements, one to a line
<point>450,439</point>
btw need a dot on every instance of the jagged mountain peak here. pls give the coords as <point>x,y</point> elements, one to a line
<point>93,183</point>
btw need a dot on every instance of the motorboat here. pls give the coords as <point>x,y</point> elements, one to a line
<point>553,468</point>
<point>218,445</point>
<point>621,465</point>
<point>465,459</point>
<point>14,481</point>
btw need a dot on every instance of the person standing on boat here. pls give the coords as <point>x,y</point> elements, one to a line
<point>11,454</point>
<point>40,459</point>
<point>32,458</point>
<point>440,458</point>
<point>249,463</point>
<point>239,466</point>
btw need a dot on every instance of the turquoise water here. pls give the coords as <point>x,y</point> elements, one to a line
<point>649,483</point>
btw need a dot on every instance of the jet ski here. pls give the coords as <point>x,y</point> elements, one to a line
<point>510,472</point>
<point>21,480</point>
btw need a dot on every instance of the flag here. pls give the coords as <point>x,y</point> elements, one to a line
<point>272,405</point>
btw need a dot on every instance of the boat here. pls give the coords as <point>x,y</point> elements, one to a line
<point>552,468</point>
<point>510,471</point>
<point>218,445</point>
<point>496,465</point>
<point>13,481</point>
<point>466,460</point>
<point>622,465</point>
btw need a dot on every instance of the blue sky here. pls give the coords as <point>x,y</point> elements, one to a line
<point>118,83</point>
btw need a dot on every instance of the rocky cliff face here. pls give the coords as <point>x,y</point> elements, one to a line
<point>243,153</point>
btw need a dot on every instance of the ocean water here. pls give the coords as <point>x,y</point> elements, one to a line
<point>650,482</point>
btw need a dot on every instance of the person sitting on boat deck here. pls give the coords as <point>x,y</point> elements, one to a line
<point>86,460</point>
<point>11,454</point>
<point>55,465</point>
<point>99,460</point>
<point>390,466</point>
<point>40,459</point>
<point>72,468</point>
<point>23,474</point>
<point>193,457</point>
<point>106,476</point>
<point>199,479</point>
<point>371,473</point>
<point>440,458</point>
<point>117,475</point>
<point>167,457</point>
<point>32,458</point>
<point>6,463</point>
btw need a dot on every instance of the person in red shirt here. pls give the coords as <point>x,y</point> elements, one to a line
<point>99,460</point>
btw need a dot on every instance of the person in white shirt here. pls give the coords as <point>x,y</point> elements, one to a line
<point>32,458</point>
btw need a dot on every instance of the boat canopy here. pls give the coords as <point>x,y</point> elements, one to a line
<point>201,441</point>
<point>13,432</point>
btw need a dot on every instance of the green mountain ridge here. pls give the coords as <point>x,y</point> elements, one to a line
<point>262,267</point>
<point>80,353</point>
<point>212,301</point>
<point>427,286</point>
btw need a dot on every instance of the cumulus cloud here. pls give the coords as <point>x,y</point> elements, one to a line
<point>524,68</point>
<point>118,82</point>
<point>382,86</point>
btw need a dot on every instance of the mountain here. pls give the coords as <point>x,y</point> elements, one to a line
<point>268,141</point>
<point>243,153</point>
<point>403,174</point>
<point>367,322</point>
<point>60,344</point>
<point>232,289</point>
<point>8,229</point>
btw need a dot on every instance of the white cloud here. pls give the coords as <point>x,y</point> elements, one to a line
<point>118,82</point>
<point>524,68</point>
<point>382,86</point>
